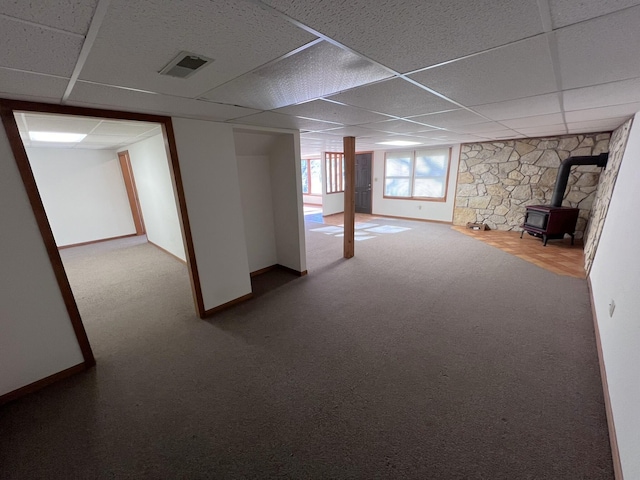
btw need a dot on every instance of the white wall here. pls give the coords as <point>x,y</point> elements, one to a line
<point>83,194</point>
<point>615,276</point>
<point>150,166</point>
<point>332,203</point>
<point>286,186</point>
<point>36,336</point>
<point>424,210</point>
<point>209,170</point>
<point>255,189</point>
<point>312,199</point>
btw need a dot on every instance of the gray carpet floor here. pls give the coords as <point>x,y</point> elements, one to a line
<point>429,355</point>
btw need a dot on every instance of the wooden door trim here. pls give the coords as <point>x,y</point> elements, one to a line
<point>24,167</point>
<point>7,108</point>
<point>132,191</point>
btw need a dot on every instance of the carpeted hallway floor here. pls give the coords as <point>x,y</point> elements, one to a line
<point>429,355</point>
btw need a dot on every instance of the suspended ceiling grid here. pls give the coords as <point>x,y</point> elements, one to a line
<point>448,72</point>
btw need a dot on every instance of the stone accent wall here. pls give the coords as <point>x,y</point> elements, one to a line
<point>608,178</point>
<point>497,180</point>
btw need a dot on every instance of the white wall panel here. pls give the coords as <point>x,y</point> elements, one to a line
<point>155,191</point>
<point>210,179</point>
<point>83,194</point>
<point>255,188</point>
<point>615,277</point>
<point>36,336</point>
<point>286,185</point>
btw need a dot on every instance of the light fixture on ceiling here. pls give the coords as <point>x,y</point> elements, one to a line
<point>398,143</point>
<point>57,137</point>
<point>185,65</point>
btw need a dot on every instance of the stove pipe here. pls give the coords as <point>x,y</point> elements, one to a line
<point>565,169</point>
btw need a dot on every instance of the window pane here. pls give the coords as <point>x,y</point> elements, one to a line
<point>397,187</point>
<point>431,166</point>
<point>316,177</point>
<point>305,177</point>
<point>398,167</point>
<point>334,165</point>
<point>429,187</point>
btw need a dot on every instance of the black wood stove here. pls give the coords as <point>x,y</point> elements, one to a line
<point>555,221</point>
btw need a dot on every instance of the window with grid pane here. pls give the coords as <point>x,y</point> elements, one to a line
<point>334,171</point>
<point>311,176</point>
<point>420,174</point>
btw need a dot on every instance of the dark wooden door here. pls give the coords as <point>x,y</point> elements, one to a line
<point>363,182</point>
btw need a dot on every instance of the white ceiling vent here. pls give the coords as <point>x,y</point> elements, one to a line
<point>185,65</point>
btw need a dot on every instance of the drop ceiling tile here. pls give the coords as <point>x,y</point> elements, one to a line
<point>70,15</point>
<point>321,137</point>
<point>522,107</point>
<point>317,71</point>
<point>450,119</point>
<point>89,94</point>
<point>137,39</point>
<point>479,128</point>
<point>614,93</point>
<point>350,132</point>
<point>394,97</point>
<point>455,137</point>
<point>107,127</point>
<point>152,133</point>
<point>559,129</point>
<point>603,113</point>
<point>565,13</point>
<point>519,70</point>
<point>536,121</point>
<point>409,34</point>
<point>399,126</point>
<point>50,145</point>
<point>605,125</point>
<point>600,50</point>
<point>332,112</point>
<point>107,139</point>
<point>42,122</point>
<point>279,120</point>
<point>97,146</point>
<point>31,85</point>
<point>35,49</point>
<point>502,135</point>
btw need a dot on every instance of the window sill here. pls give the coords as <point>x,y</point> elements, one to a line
<point>420,199</point>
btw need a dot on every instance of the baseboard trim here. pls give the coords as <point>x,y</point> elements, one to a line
<point>39,384</point>
<point>97,241</point>
<point>613,439</point>
<point>277,266</point>
<point>167,251</point>
<point>291,270</point>
<point>413,219</point>
<point>224,306</point>
<point>264,270</point>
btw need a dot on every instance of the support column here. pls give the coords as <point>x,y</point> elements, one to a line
<point>349,195</point>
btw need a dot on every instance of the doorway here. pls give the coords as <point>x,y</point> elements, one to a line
<point>363,182</point>
<point>8,111</point>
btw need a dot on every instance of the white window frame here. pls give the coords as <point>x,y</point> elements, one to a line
<point>412,176</point>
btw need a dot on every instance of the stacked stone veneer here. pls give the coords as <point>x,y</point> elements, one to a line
<point>608,178</point>
<point>497,180</point>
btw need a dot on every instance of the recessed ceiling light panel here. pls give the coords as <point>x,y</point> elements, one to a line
<point>185,65</point>
<point>56,137</point>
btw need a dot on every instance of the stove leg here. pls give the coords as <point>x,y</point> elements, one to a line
<point>572,236</point>
<point>521,233</point>
<point>544,240</point>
